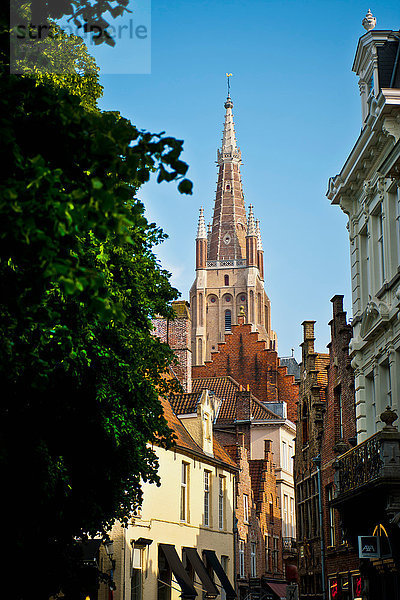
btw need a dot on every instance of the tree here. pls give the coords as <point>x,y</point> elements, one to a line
<point>79,283</point>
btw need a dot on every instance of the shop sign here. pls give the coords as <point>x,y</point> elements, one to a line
<point>368,546</point>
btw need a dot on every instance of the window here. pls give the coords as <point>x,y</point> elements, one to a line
<point>275,554</point>
<point>199,351</point>
<point>207,498</point>
<point>259,307</point>
<point>292,519</point>
<point>136,578</point>
<point>164,577</point>
<point>241,558</point>
<point>284,456</point>
<point>200,312</point>
<point>271,510</point>
<point>228,320</point>
<point>286,531</point>
<point>331,516</point>
<point>226,279</point>
<point>370,389</point>
<point>268,560</point>
<point>184,492</point>
<point>246,508</point>
<point>338,405</point>
<point>381,248</point>
<point>291,459</point>
<point>388,386</point>
<point>304,418</point>
<point>364,266</point>
<point>253,564</point>
<point>221,502</point>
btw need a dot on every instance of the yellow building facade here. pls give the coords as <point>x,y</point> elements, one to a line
<point>181,542</point>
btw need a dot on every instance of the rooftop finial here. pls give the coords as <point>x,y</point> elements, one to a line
<point>251,226</point>
<point>201,230</point>
<point>228,103</point>
<point>369,21</point>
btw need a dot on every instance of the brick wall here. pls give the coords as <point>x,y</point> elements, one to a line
<point>256,480</point>
<point>177,333</point>
<point>338,435</point>
<point>247,359</point>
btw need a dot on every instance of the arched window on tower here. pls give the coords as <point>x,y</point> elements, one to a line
<point>199,351</point>
<point>259,307</point>
<point>304,420</point>
<point>226,278</point>
<point>200,311</point>
<point>228,320</point>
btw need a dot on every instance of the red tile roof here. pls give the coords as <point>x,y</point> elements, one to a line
<point>225,388</point>
<point>184,440</point>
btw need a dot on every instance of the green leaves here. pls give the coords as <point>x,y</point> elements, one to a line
<point>79,284</point>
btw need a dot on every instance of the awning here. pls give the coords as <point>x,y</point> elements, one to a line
<point>216,566</point>
<point>178,570</point>
<point>278,588</point>
<point>198,566</point>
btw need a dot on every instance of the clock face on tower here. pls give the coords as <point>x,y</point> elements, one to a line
<point>227,238</point>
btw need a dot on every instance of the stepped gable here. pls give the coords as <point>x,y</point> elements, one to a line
<point>184,440</point>
<point>247,359</point>
<point>229,391</point>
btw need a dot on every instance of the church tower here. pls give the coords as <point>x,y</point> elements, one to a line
<point>229,260</point>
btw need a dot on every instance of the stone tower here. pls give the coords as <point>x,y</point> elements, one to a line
<point>229,260</point>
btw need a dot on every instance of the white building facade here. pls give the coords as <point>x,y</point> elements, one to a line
<point>367,190</point>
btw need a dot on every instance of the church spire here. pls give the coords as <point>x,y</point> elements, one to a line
<point>228,237</point>
<point>201,229</point>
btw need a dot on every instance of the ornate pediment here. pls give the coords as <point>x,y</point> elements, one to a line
<point>375,315</point>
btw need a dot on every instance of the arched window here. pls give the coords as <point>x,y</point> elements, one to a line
<point>228,320</point>
<point>200,312</point>
<point>226,278</point>
<point>199,351</point>
<point>304,419</point>
<point>259,307</point>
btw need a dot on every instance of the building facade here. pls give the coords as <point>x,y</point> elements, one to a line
<point>180,543</point>
<point>310,425</point>
<point>229,260</point>
<point>367,490</point>
<point>341,563</point>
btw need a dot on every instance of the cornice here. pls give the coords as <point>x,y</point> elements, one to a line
<point>382,129</point>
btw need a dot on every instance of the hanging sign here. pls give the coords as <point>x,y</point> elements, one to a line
<point>368,546</point>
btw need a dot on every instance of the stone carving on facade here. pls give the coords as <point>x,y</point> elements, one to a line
<point>391,127</point>
<point>375,314</point>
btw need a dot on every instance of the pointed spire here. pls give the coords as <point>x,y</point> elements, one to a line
<point>258,232</point>
<point>251,226</point>
<point>229,144</point>
<point>201,229</point>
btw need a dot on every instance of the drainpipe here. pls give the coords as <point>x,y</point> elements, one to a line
<point>317,463</point>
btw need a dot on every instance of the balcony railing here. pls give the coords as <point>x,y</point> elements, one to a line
<point>228,262</point>
<point>375,461</point>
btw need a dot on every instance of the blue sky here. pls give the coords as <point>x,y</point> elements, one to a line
<point>297,115</point>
